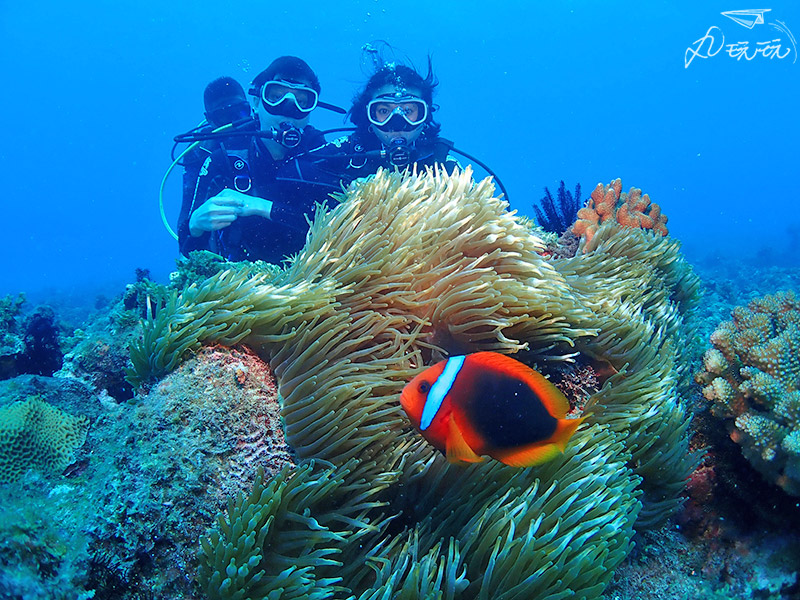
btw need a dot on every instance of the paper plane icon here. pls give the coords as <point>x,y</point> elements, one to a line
<point>747,18</point>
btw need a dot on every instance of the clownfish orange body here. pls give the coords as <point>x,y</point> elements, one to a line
<point>489,404</point>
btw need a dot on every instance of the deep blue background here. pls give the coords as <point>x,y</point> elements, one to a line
<point>582,91</point>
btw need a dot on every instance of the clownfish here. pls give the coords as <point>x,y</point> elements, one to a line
<point>489,404</point>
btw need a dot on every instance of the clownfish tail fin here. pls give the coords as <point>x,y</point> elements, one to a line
<point>529,456</point>
<point>538,453</point>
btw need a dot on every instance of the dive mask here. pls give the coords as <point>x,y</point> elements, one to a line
<point>229,113</point>
<point>289,99</point>
<point>397,113</point>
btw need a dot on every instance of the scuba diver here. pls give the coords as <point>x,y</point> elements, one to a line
<point>225,105</point>
<point>225,102</point>
<point>251,184</point>
<point>235,202</point>
<point>394,122</point>
<point>394,128</point>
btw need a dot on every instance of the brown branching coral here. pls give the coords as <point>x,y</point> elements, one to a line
<point>406,269</point>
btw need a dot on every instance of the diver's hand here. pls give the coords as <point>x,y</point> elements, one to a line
<point>223,209</point>
<point>254,206</point>
<point>217,212</point>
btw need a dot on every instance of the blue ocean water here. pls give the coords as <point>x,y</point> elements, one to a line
<point>698,110</point>
<point>541,91</point>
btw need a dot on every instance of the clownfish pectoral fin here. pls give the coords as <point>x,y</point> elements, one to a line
<point>457,448</point>
<point>529,456</point>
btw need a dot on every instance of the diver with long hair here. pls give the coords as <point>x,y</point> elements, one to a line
<point>393,115</point>
<point>394,128</point>
<point>394,120</point>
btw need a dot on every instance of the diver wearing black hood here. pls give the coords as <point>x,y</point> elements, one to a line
<point>236,201</point>
<point>225,103</point>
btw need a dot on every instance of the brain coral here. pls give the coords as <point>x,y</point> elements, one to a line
<point>34,434</point>
<point>407,269</point>
<point>752,376</point>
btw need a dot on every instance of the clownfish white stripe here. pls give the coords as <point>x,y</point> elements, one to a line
<point>440,389</point>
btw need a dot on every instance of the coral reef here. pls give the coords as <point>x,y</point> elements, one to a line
<point>608,204</point>
<point>195,440</point>
<point>100,356</point>
<point>10,309</point>
<point>726,493</point>
<point>101,361</point>
<point>229,396</point>
<point>123,521</point>
<point>745,566</point>
<point>67,394</point>
<point>12,343</point>
<point>557,218</point>
<point>578,382</point>
<point>99,353</point>
<point>752,377</point>
<point>409,268</point>
<point>566,246</point>
<point>34,434</point>
<point>28,344</point>
<point>144,296</point>
<point>201,264</point>
<point>42,354</point>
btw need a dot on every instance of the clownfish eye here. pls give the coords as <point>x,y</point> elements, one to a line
<point>424,387</point>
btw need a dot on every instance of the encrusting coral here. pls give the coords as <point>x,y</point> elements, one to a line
<point>34,434</point>
<point>609,204</point>
<point>407,269</point>
<point>752,377</point>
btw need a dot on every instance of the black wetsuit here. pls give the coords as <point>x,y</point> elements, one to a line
<point>253,171</point>
<point>339,162</point>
